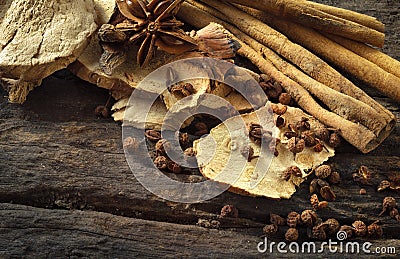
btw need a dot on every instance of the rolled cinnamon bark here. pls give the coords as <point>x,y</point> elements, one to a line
<point>356,134</point>
<point>303,13</point>
<point>377,57</point>
<point>363,69</point>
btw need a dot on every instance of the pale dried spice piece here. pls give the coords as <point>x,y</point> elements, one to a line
<point>327,193</point>
<point>130,144</point>
<point>347,229</point>
<point>323,171</point>
<point>277,220</point>
<point>269,181</point>
<point>360,229</point>
<point>314,201</point>
<point>394,213</point>
<point>270,229</point>
<point>293,219</point>
<point>334,178</point>
<point>161,162</point>
<point>292,235</point>
<point>308,217</point>
<point>153,135</point>
<point>229,211</point>
<point>374,230</point>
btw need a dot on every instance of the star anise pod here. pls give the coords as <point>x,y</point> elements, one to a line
<point>154,24</point>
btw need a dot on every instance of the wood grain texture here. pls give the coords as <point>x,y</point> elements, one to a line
<point>70,169</point>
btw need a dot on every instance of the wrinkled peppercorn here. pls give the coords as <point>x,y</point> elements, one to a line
<point>332,226</point>
<point>327,193</point>
<point>334,140</point>
<point>293,219</point>
<point>388,204</point>
<point>323,171</point>
<point>292,235</point>
<point>270,229</point>
<point>161,162</point>
<point>363,176</point>
<point>334,178</point>
<point>296,145</point>
<point>285,98</point>
<point>322,134</point>
<point>374,230</point>
<point>292,170</point>
<point>308,217</point>
<point>318,232</point>
<point>277,220</point>
<point>130,144</point>
<point>161,147</point>
<point>229,211</point>
<point>359,228</point>
<point>153,135</point>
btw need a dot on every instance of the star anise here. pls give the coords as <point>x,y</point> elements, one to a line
<point>153,25</point>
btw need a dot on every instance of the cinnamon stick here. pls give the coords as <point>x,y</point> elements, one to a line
<point>347,60</point>
<point>356,17</point>
<point>301,12</point>
<point>377,57</point>
<point>349,130</point>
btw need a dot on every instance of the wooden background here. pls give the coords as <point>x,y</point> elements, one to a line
<point>67,191</point>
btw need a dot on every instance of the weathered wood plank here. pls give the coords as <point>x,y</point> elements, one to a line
<point>37,233</point>
<point>56,154</point>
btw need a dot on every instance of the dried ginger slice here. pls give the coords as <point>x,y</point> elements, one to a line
<point>270,184</point>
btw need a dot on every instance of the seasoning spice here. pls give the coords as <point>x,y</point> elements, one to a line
<point>293,219</point>
<point>292,235</point>
<point>229,211</point>
<point>308,217</point>
<point>153,135</point>
<point>327,193</point>
<point>270,229</point>
<point>291,171</point>
<point>323,171</point>
<point>277,220</point>
<point>359,228</point>
<point>296,145</point>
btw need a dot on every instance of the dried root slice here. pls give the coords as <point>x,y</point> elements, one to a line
<point>38,38</point>
<point>228,146</point>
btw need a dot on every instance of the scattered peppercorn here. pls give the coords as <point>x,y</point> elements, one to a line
<point>130,144</point>
<point>374,230</point>
<point>303,124</point>
<point>359,228</point>
<point>308,217</point>
<point>291,171</point>
<point>174,167</point>
<point>388,204</point>
<point>280,122</point>
<point>347,229</point>
<point>332,226</point>
<point>323,171</point>
<point>102,111</point>
<point>334,178</point>
<point>278,109</point>
<point>229,211</point>
<point>363,191</point>
<point>296,145</point>
<point>318,146</point>
<point>318,232</point>
<point>161,147</point>
<point>161,162</point>
<point>334,140</point>
<point>327,193</point>
<point>290,134</point>
<point>383,185</point>
<point>152,135</point>
<point>292,235</point>
<point>322,134</point>
<point>285,98</point>
<point>292,219</point>
<point>270,229</point>
<point>277,220</point>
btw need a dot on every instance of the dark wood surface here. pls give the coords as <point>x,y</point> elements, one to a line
<point>67,191</point>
